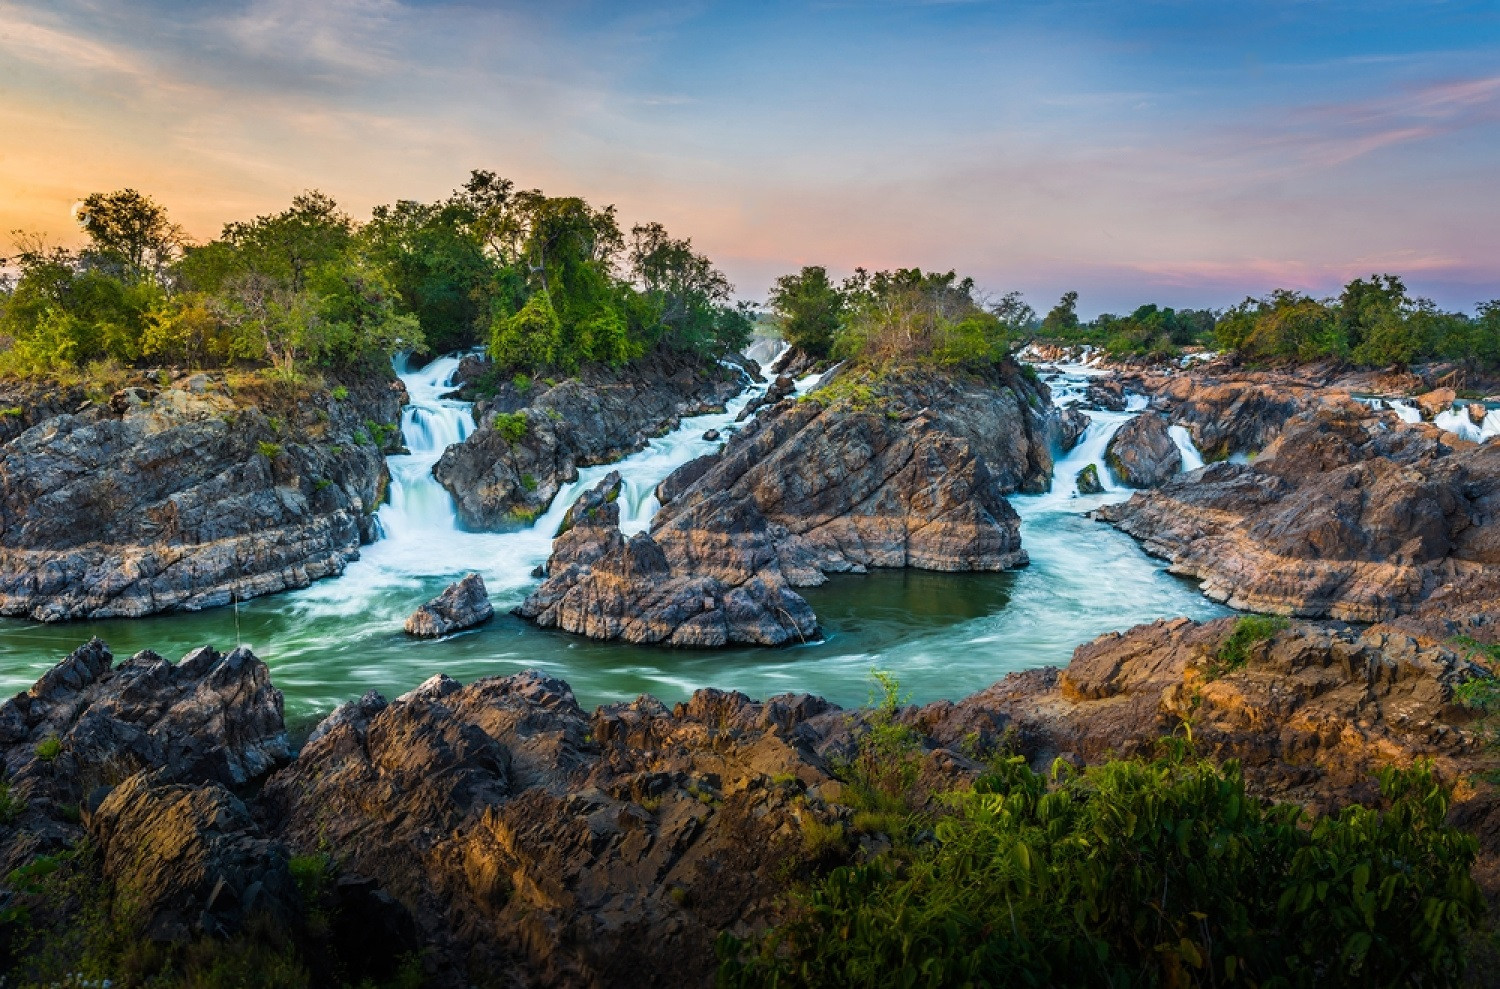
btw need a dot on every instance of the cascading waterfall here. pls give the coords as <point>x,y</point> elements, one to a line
<point>1191,458</point>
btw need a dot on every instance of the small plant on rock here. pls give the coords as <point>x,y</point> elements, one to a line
<point>49,748</point>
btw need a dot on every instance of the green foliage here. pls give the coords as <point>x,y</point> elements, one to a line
<point>911,315</point>
<point>11,805</point>
<point>340,393</point>
<point>1061,320</point>
<point>809,310</point>
<point>512,425</point>
<point>528,482</point>
<point>1139,873</point>
<point>521,383</point>
<point>49,748</point>
<point>268,449</point>
<point>1249,630</point>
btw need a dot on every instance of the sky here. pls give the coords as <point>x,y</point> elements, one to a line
<point>1183,153</point>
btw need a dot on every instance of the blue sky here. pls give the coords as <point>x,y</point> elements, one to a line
<point>1184,153</point>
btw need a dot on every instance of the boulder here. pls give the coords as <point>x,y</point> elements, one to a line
<point>1088,480</point>
<point>781,388</point>
<point>1072,424</point>
<point>711,436</point>
<point>1436,401</point>
<point>684,477</point>
<point>1142,453</point>
<point>1477,413</point>
<point>464,604</point>
<point>1107,394</point>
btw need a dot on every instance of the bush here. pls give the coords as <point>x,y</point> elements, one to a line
<point>340,393</point>
<point>11,806</point>
<point>1140,873</point>
<point>512,426</point>
<point>49,748</point>
<point>268,449</point>
<point>1249,630</point>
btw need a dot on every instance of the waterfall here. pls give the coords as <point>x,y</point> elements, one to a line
<point>1191,458</point>
<point>429,425</point>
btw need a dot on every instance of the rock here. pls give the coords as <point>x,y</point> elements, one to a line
<point>1234,414</point>
<point>1107,394</point>
<point>1477,412</point>
<point>1072,424</point>
<point>1142,454</point>
<point>184,498</point>
<point>712,436</point>
<point>685,477</point>
<point>87,725</point>
<point>189,860</point>
<point>1436,401</point>
<point>509,469</point>
<point>464,604</point>
<point>1346,515</point>
<point>1088,480</point>
<point>780,389</point>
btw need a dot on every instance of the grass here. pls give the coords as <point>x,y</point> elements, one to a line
<point>340,393</point>
<point>268,449</point>
<point>49,748</point>
<point>528,482</point>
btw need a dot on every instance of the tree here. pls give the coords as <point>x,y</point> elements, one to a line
<point>287,245</point>
<point>694,299</point>
<point>1015,312</point>
<point>130,232</point>
<point>1062,318</point>
<point>809,309</point>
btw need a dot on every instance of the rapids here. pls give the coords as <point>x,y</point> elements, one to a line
<point>943,635</point>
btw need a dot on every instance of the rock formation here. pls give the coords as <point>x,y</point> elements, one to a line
<point>908,470</point>
<point>187,496</point>
<point>1347,514</point>
<point>1088,480</point>
<point>1107,394</point>
<point>1141,452</point>
<point>512,466</point>
<point>463,604</point>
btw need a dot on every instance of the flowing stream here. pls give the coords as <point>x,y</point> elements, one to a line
<point>943,635</point>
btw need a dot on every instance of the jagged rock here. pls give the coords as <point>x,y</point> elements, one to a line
<point>513,465</point>
<point>605,586</point>
<point>464,604</point>
<point>1347,514</point>
<point>1436,401</point>
<point>1088,480</point>
<point>712,436</point>
<point>184,498</point>
<point>780,388</point>
<point>684,477</point>
<point>1142,454</point>
<point>1477,413</point>
<point>187,860</point>
<point>1107,394</point>
<point>86,725</point>
<point>1072,424</point>
<point>1232,415</point>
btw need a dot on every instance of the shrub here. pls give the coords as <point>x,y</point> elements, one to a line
<point>340,393</point>
<point>528,482</point>
<point>1140,873</point>
<point>49,748</point>
<point>1249,630</point>
<point>268,449</point>
<point>511,425</point>
<point>11,806</point>
<point>521,383</point>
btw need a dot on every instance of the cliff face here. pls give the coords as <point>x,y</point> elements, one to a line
<point>905,469</point>
<point>530,443</point>
<point>186,495</point>
<point>506,835</point>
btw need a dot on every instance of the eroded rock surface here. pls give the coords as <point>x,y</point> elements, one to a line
<point>463,604</point>
<point>1142,454</point>
<point>510,468</point>
<point>186,496</point>
<point>1347,514</point>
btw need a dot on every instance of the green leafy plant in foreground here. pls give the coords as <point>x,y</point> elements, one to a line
<point>1139,873</point>
<point>1248,632</point>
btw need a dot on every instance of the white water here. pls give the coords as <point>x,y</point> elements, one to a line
<point>1455,420</point>
<point>1191,458</point>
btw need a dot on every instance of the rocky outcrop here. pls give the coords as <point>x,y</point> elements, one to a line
<point>499,828</point>
<point>1436,401</point>
<point>188,495</point>
<point>463,604</point>
<point>1235,413</point>
<point>1107,394</point>
<point>1071,425</point>
<point>781,388</point>
<point>1088,480</point>
<point>605,586</point>
<point>88,725</point>
<point>513,465</point>
<point>1348,514</point>
<point>1311,713</point>
<point>1142,454</point>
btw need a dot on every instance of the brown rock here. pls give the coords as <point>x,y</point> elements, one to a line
<point>1142,454</point>
<point>1435,401</point>
<point>463,604</point>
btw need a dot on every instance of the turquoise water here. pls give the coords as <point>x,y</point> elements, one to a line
<point>943,635</point>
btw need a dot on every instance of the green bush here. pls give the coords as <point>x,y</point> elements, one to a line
<point>11,806</point>
<point>1249,630</point>
<point>49,748</point>
<point>340,393</point>
<point>268,449</point>
<point>512,425</point>
<point>1138,873</point>
<point>528,482</point>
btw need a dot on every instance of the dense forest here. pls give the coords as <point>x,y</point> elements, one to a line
<point>546,282</point>
<point>1373,322</point>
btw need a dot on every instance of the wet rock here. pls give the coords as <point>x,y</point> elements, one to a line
<point>1477,412</point>
<point>1238,414</point>
<point>1072,424</point>
<point>712,436</point>
<point>1088,480</point>
<point>464,604</point>
<point>184,498</point>
<point>189,860</point>
<point>1347,515</point>
<point>1107,394</point>
<point>508,471</point>
<point>684,477</point>
<point>780,389</point>
<point>1142,454</point>
<point>1436,401</point>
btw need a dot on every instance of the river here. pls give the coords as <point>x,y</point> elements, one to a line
<point>942,635</point>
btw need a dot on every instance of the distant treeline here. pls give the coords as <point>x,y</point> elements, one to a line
<point>547,283</point>
<point>1373,322</point>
